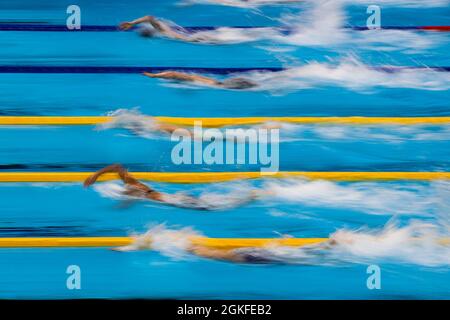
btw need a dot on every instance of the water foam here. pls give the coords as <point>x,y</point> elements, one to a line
<point>132,120</point>
<point>352,74</point>
<point>367,197</point>
<point>218,197</point>
<point>173,243</point>
<point>416,243</point>
<point>381,133</point>
<point>143,126</point>
<point>322,24</point>
<point>258,3</point>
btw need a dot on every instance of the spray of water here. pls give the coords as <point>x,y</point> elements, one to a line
<point>144,126</point>
<point>259,3</point>
<point>218,197</point>
<point>352,74</point>
<point>416,243</point>
<point>322,23</point>
<point>367,197</point>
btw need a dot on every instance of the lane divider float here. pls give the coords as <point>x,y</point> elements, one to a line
<point>211,243</point>
<point>206,70</point>
<point>45,27</point>
<point>212,177</point>
<point>223,121</point>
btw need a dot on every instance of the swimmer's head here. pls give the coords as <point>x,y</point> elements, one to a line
<point>239,84</point>
<point>147,30</point>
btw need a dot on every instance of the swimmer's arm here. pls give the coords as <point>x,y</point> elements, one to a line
<point>93,178</point>
<point>127,25</point>
<point>226,255</point>
<point>161,27</point>
<point>181,76</point>
<point>123,173</point>
<point>158,25</point>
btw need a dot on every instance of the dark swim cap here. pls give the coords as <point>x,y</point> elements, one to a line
<point>238,83</point>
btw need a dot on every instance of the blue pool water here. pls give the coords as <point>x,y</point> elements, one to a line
<point>329,76</point>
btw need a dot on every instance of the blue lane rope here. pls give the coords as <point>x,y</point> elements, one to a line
<point>140,69</point>
<point>124,69</point>
<point>104,28</point>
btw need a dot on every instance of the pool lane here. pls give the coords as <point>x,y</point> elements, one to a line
<point>83,148</point>
<point>97,94</point>
<point>41,273</point>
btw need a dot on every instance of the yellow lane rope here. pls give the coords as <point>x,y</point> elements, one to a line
<point>211,177</point>
<point>220,122</point>
<point>212,243</point>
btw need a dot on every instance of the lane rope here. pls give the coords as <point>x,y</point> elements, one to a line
<point>212,177</point>
<point>109,28</point>
<point>211,243</point>
<point>206,70</point>
<point>221,122</point>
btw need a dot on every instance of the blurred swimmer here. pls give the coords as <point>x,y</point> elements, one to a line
<point>152,26</point>
<point>231,83</point>
<point>245,3</point>
<point>248,255</point>
<point>136,189</point>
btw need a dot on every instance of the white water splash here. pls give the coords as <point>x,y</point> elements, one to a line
<point>322,24</point>
<point>249,4</point>
<point>376,198</point>
<point>259,3</point>
<point>401,3</point>
<point>348,73</point>
<point>146,127</point>
<point>143,126</point>
<point>351,74</point>
<point>212,200</point>
<point>367,197</point>
<point>111,190</point>
<point>172,243</point>
<point>416,243</point>
<point>218,197</point>
<point>132,120</point>
<point>362,133</point>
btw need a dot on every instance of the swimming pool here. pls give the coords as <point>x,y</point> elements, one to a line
<point>347,74</point>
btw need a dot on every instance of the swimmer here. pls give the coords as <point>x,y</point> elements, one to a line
<point>252,2</point>
<point>135,188</point>
<point>242,3</point>
<point>231,83</point>
<point>158,27</point>
<point>167,128</point>
<point>152,26</point>
<point>242,255</point>
<point>245,255</point>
